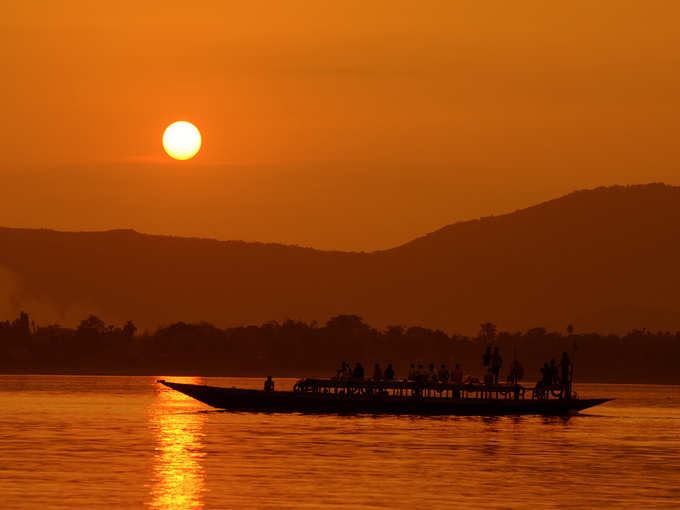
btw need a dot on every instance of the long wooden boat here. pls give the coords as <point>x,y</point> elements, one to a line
<point>394,397</point>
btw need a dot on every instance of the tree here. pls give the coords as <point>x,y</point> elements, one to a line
<point>487,331</point>
<point>21,324</point>
<point>347,323</point>
<point>536,332</point>
<point>92,323</point>
<point>394,330</point>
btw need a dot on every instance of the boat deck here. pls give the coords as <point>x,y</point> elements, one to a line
<point>401,397</point>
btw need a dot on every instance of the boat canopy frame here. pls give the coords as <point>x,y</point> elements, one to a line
<point>424,389</point>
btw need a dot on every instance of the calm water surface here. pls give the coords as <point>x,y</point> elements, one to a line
<point>104,442</point>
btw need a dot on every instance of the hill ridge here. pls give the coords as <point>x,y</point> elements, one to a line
<point>601,259</point>
<point>546,203</point>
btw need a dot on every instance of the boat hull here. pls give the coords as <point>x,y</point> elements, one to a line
<point>236,399</point>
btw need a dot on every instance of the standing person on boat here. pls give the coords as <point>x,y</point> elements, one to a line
<point>516,372</point>
<point>377,373</point>
<point>389,372</point>
<point>555,373</point>
<point>443,374</point>
<point>431,373</point>
<point>546,373</point>
<point>269,384</point>
<point>346,371</point>
<point>358,372</point>
<point>486,358</point>
<point>457,376</point>
<point>412,372</point>
<point>420,374</point>
<point>565,366</point>
<point>496,364</point>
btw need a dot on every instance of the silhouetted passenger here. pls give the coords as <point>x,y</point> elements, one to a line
<point>421,375</point>
<point>565,365</point>
<point>443,374</point>
<point>546,376</point>
<point>516,372</point>
<point>431,373</point>
<point>554,371</point>
<point>457,375</point>
<point>389,372</point>
<point>347,371</point>
<point>377,373</point>
<point>486,358</point>
<point>412,372</point>
<point>340,372</point>
<point>496,364</point>
<point>358,372</point>
<point>269,384</point>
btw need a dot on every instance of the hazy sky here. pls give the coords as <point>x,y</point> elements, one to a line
<point>334,124</point>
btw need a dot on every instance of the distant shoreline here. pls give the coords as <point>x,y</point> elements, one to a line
<point>295,348</point>
<point>113,373</point>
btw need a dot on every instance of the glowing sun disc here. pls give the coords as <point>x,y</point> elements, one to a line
<point>181,140</point>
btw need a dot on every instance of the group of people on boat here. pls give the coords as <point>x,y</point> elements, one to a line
<point>417,374</point>
<point>556,373</point>
<point>493,361</point>
<point>441,375</point>
<point>346,372</point>
<point>552,373</point>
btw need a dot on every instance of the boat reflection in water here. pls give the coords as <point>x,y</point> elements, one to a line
<point>178,477</point>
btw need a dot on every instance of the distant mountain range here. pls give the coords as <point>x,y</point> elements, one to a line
<point>605,259</point>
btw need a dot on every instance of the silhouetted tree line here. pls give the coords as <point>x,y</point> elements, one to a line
<point>296,348</point>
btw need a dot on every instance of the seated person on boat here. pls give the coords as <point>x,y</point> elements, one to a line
<point>412,372</point>
<point>443,374</point>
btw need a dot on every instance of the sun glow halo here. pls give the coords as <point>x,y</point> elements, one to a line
<point>181,140</point>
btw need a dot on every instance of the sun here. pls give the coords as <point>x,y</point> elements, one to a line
<point>181,140</point>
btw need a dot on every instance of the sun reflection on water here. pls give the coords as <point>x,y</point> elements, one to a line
<point>179,477</point>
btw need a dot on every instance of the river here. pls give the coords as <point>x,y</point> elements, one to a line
<point>127,442</point>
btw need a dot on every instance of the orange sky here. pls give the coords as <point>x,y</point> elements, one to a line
<point>345,125</point>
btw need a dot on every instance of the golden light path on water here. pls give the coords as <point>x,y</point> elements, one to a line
<point>179,476</point>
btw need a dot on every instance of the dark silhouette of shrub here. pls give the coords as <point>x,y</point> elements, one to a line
<point>297,348</point>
